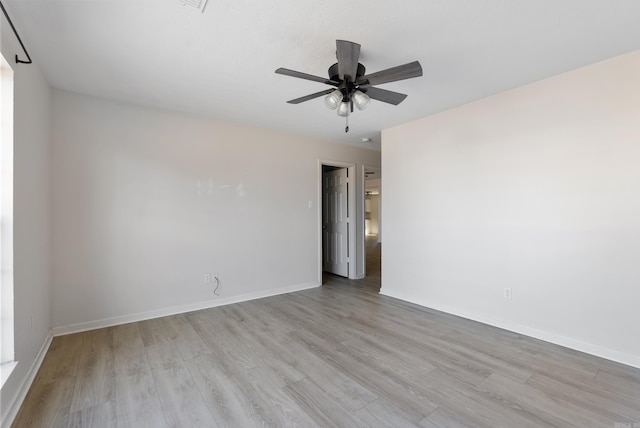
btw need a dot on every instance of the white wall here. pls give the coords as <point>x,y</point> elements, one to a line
<point>537,189</point>
<point>32,107</point>
<point>146,202</point>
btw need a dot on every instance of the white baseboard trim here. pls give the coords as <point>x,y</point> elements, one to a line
<point>174,310</point>
<point>567,342</point>
<point>14,405</point>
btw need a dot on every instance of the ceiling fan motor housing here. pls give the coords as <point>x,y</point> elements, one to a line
<point>348,85</point>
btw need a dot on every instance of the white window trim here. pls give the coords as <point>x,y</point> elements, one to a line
<point>7,355</point>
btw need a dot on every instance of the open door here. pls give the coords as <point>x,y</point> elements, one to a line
<point>335,220</point>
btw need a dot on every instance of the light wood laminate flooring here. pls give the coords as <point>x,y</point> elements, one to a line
<point>338,355</point>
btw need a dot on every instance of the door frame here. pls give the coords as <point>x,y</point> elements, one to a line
<point>353,215</point>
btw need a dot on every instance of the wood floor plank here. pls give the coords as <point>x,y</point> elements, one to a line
<point>286,412</point>
<point>95,377</point>
<point>298,315</point>
<point>101,415</point>
<point>244,384</point>
<point>47,404</point>
<point>443,418</point>
<point>381,413</point>
<point>156,330</point>
<point>393,389</point>
<point>130,357</point>
<point>544,357</point>
<point>427,423</point>
<point>600,399</point>
<point>461,404</point>
<point>182,404</point>
<point>436,350</point>
<point>136,399</point>
<point>338,384</point>
<point>625,381</point>
<point>552,408</point>
<point>320,406</point>
<point>216,335</point>
<point>62,358</point>
<point>188,343</point>
<point>222,396</point>
<point>269,353</point>
<point>496,356</point>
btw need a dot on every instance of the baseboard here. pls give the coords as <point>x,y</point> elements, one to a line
<point>14,405</point>
<point>567,342</point>
<point>125,319</point>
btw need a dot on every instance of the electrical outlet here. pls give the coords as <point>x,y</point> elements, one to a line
<point>507,293</point>
<point>207,278</point>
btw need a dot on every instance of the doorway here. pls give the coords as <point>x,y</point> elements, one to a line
<point>372,179</point>
<point>337,216</point>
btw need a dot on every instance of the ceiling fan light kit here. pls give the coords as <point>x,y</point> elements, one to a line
<point>343,109</point>
<point>353,86</point>
<point>333,99</point>
<point>361,100</point>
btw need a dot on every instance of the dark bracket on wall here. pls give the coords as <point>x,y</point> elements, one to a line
<point>18,60</point>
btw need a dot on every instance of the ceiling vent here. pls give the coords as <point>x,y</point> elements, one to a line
<point>198,4</point>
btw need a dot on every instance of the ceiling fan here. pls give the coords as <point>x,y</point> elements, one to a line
<point>352,85</point>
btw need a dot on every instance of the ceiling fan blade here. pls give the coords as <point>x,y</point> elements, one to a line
<point>401,72</point>
<point>300,75</point>
<point>385,96</point>
<point>310,97</point>
<point>348,54</point>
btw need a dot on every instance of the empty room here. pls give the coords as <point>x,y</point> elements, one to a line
<point>311,213</point>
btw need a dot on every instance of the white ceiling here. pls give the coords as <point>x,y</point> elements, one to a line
<point>221,63</point>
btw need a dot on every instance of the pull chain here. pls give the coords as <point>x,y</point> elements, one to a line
<point>346,129</point>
